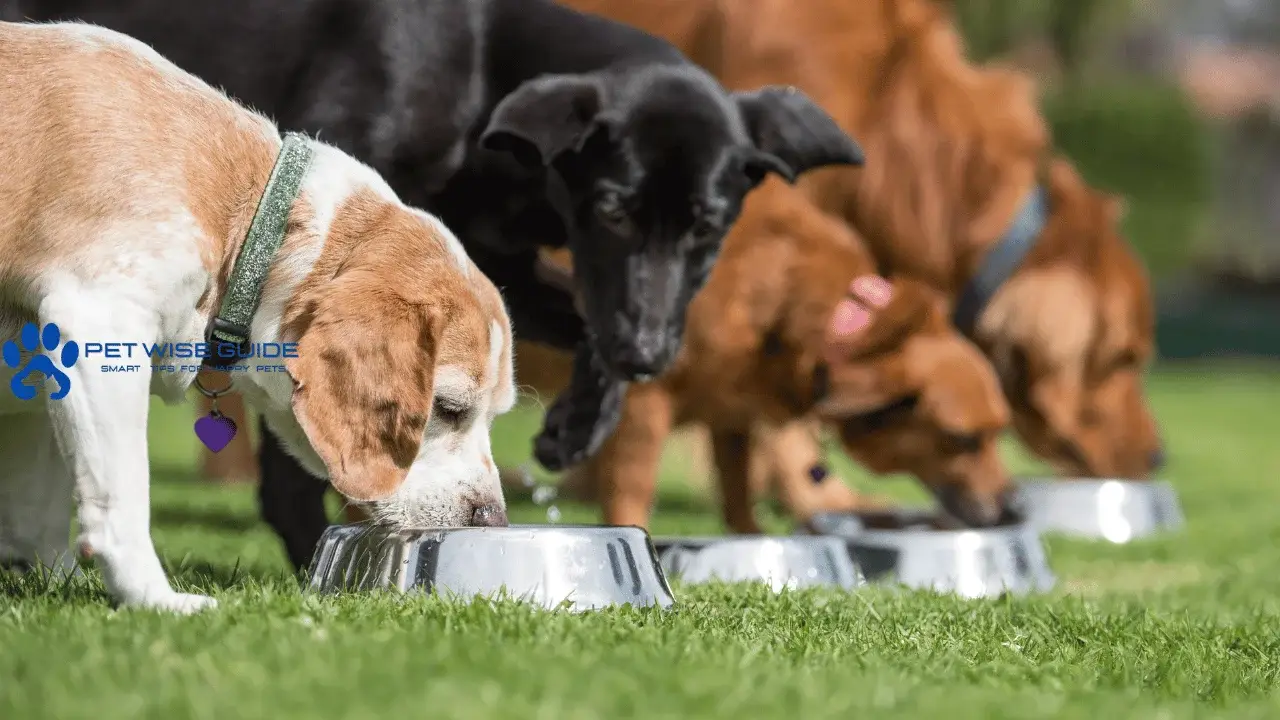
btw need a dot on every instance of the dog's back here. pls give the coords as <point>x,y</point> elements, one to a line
<point>356,73</point>
<point>99,127</point>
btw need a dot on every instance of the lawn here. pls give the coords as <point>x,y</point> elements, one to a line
<point>1186,625</point>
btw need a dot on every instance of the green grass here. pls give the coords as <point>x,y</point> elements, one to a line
<point>1186,625</point>
<point>1143,142</point>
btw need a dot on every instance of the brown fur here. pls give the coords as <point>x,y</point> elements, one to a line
<point>756,334</point>
<point>69,182</point>
<point>951,150</point>
<point>364,389</point>
<point>103,169</point>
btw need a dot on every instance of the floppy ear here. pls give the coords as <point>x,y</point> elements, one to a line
<point>868,369</point>
<point>862,386</point>
<point>958,385</point>
<point>363,392</point>
<point>792,134</point>
<point>545,117</point>
<point>913,308</point>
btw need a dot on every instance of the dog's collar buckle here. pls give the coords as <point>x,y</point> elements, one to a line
<point>224,332</point>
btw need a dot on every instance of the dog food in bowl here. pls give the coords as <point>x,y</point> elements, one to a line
<point>588,567</point>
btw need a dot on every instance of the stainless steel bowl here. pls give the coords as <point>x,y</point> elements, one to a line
<point>780,562</point>
<point>1113,510</point>
<point>914,548</point>
<point>587,567</point>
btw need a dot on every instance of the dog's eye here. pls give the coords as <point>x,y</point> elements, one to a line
<point>963,442</point>
<point>1124,361</point>
<point>450,411</point>
<point>613,216</point>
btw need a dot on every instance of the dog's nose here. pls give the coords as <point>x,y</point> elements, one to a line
<point>979,509</point>
<point>639,365</point>
<point>1156,460</point>
<point>489,516</point>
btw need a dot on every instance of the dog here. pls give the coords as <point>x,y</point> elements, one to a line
<point>139,204</point>
<point>772,340</point>
<point>522,124</point>
<point>962,191</point>
<point>784,461</point>
<point>783,458</point>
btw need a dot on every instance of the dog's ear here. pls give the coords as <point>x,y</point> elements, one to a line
<point>867,363</point>
<point>792,134</point>
<point>363,392</point>
<point>860,387</point>
<point>545,117</point>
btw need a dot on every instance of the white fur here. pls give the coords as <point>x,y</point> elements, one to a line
<point>137,276</point>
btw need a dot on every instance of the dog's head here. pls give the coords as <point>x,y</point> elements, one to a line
<point>649,168</point>
<point>909,394</point>
<point>403,361</point>
<point>1073,340</point>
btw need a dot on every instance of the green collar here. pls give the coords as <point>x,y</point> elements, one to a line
<point>244,287</point>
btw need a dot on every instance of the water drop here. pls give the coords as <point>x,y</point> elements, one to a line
<point>544,494</point>
<point>553,514</point>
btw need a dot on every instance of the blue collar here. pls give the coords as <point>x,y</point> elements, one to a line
<point>1002,260</point>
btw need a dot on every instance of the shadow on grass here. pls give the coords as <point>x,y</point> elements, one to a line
<point>19,583</point>
<point>206,517</point>
<point>85,585</point>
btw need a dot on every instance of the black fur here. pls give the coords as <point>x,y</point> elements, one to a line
<point>521,123</point>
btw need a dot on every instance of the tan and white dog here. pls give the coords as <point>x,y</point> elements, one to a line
<point>127,190</point>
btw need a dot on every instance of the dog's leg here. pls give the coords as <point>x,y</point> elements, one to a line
<point>101,428</point>
<point>732,450</point>
<point>581,482</point>
<point>36,496</point>
<point>583,417</point>
<point>291,500</point>
<point>802,482</point>
<point>627,466</point>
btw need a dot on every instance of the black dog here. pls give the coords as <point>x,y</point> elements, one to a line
<point>521,123</point>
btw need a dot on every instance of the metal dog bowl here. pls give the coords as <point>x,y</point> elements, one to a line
<point>914,548</point>
<point>590,567</point>
<point>1114,510</point>
<point>780,562</point>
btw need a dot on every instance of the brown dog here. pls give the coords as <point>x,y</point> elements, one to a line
<point>954,152</point>
<point>773,338</point>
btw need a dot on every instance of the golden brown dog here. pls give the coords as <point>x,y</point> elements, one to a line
<point>773,338</point>
<point>953,153</point>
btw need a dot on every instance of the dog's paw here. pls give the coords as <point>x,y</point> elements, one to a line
<point>582,417</point>
<point>575,428</point>
<point>178,603</point>
<point>553,448</point>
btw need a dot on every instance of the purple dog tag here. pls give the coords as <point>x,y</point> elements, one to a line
<point>215,430</point>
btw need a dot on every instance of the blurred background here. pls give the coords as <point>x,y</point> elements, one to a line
<point>1174,104</point>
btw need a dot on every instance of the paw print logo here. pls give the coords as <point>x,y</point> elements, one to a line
<point>32,337</point>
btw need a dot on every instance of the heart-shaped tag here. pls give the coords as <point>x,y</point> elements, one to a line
<point>216,431</point>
